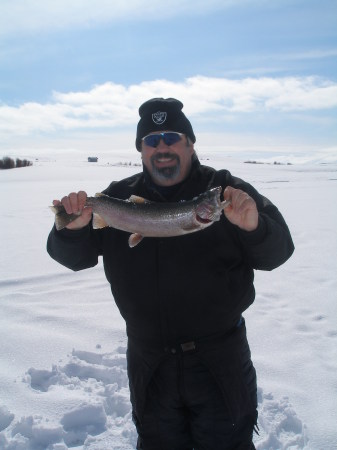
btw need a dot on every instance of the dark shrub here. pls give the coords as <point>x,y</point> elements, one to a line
<point>8,163</point>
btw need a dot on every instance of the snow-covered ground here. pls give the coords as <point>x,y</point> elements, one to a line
<point>63,381</point>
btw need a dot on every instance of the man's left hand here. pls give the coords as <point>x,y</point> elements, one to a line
<point>242,210</point>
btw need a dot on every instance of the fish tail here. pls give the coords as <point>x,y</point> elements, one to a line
<point>62,219</point>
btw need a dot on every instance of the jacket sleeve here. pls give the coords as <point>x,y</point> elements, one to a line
<point>271,244</point>
<point>76,250</point>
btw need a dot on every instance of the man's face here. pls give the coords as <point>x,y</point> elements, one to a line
<point>168,164</point>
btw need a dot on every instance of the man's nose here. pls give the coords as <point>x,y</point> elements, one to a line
<point>162,144</point>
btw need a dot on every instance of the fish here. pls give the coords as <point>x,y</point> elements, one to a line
<point>144,218</point>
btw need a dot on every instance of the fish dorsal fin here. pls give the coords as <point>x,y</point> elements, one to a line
<point>99,194</point>
<point>134,239</point>
<point>98,222</point>
<point>139,200</point>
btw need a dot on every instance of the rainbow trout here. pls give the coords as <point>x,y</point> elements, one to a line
<point>143,218</point>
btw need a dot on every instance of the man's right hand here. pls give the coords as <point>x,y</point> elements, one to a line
<point>74,203</point>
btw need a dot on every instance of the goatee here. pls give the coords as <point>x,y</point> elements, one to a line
<point>165,173</point>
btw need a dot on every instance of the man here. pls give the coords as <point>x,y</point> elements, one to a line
<point>192,382</point>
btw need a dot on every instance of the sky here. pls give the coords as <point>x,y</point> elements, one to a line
<point>254,75</point>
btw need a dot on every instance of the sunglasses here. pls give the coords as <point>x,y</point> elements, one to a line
<point>169,138</point>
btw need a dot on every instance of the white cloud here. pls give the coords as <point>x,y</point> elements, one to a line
<point>303,94</point>
<point>112,106</point>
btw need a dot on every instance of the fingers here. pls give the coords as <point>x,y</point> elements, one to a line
<point>240,200</point>
<point>228,192</point>
<point>242,210</point>
<point>74,202</point>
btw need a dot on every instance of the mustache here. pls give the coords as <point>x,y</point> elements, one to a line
<point>158,156</point>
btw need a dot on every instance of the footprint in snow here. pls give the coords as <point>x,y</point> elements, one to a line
<point>279,426</point>
<point>102,419</point>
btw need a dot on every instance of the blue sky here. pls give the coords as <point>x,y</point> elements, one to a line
<point>247,70</point>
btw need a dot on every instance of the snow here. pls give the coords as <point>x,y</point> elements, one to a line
<point>63,380</point>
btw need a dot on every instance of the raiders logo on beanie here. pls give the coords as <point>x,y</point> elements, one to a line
<point>159,114</point>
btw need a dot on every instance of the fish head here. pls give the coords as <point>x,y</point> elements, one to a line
<point>208,206</point>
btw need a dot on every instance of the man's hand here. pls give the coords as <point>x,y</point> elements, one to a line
<point>74,203</point>
<point>242,210</point>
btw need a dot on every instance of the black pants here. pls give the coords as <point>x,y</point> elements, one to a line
<point>186,410</point>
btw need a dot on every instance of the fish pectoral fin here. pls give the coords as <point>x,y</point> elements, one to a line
<point>137,199</point>
<point>98,222</point>
<point>134,239</point>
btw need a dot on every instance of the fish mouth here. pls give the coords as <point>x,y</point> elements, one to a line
<point>209,209</point>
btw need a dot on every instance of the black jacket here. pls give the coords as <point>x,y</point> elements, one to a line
<point>180,289</point>
<point>174,289</point>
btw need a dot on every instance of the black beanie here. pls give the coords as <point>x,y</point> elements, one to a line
<point>160,114</point>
